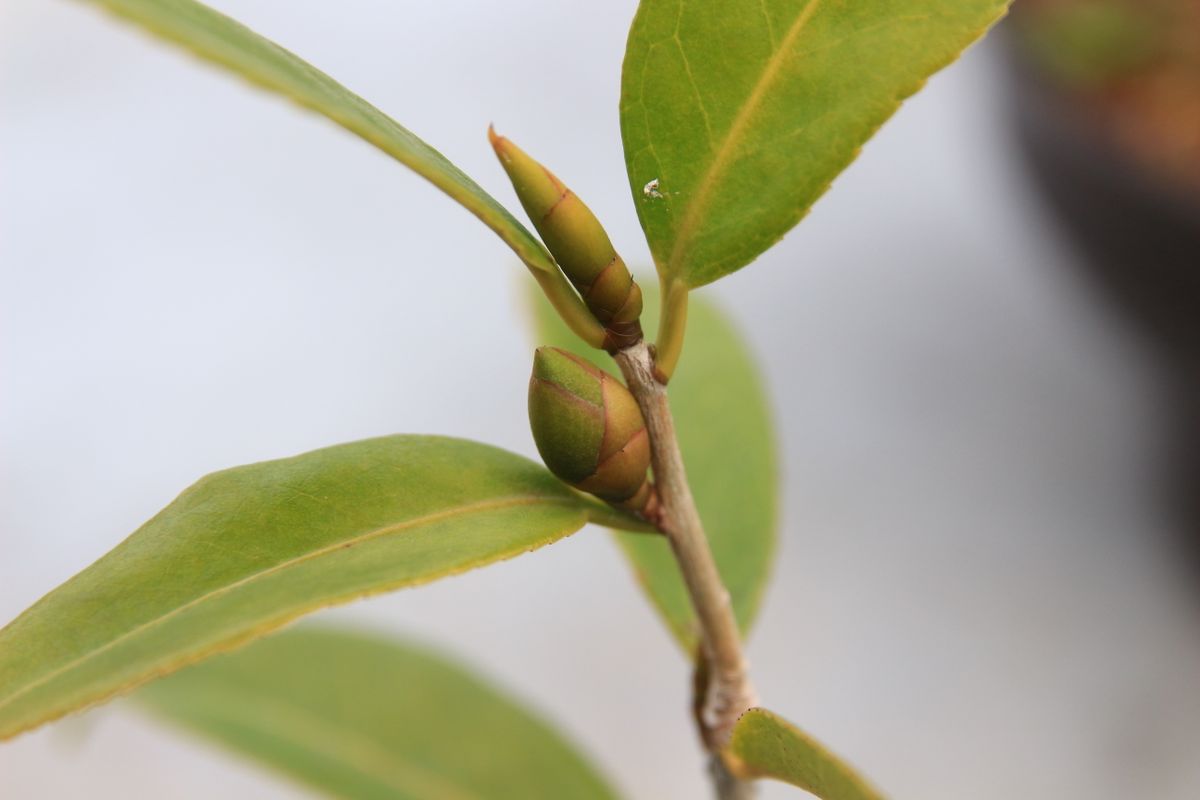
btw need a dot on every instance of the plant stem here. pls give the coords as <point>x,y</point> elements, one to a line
<point>727,689</point>
<point>726,784</point>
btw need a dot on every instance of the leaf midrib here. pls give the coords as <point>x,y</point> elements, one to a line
<point>720,163</point>
<point>489,505</point>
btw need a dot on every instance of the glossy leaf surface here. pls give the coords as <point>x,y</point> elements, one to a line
<point>767,746</point>
<point>737,114</point>
<point>219,39</point>
<point>361,717</point>
<point>246,550</point>
<point>725,432</point>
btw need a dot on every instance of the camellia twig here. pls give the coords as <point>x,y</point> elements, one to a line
<point>727,690</point>
<point>585,431</point>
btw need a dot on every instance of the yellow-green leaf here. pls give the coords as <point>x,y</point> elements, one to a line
<point>219,39</point>
<point>365,718</point>
<point>724,426</point>
<point>246,550</point>
<point>737,114</point>
<point>765,745</point>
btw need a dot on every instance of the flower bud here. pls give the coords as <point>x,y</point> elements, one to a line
<point>578,243</point>
<point>588,428</point>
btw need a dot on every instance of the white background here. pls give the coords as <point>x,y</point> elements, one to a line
<point>972,598</point>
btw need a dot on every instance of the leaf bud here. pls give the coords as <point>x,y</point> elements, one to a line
<point>588,428</point>
<point>578,243</point>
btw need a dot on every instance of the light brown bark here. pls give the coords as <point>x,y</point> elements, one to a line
<point>728,692</point>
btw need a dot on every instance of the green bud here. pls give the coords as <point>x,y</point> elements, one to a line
<point>588,428</point>
<point>578,243</point>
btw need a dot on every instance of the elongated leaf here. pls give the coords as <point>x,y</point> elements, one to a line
<point>725,432</point>
<point>743,111</point>
<point>221,40</point>
<point>365,718</point>
<point>246,550</point>
<point>768,746</point>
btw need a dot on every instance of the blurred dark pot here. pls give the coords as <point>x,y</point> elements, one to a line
<point>1139,233</point>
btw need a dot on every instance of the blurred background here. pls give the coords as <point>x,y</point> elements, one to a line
<point>980,347</point>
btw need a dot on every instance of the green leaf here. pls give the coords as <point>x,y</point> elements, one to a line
<point>724,426</point>
<point>744,111</point>
<point>767,746</point>
<point>221,40</point>
<point>246,550</point>
<point>365,718</point>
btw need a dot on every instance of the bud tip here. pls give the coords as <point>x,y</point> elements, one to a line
<point>499,143</point>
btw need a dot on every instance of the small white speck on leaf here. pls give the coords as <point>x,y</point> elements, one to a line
<point>651,190</point>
